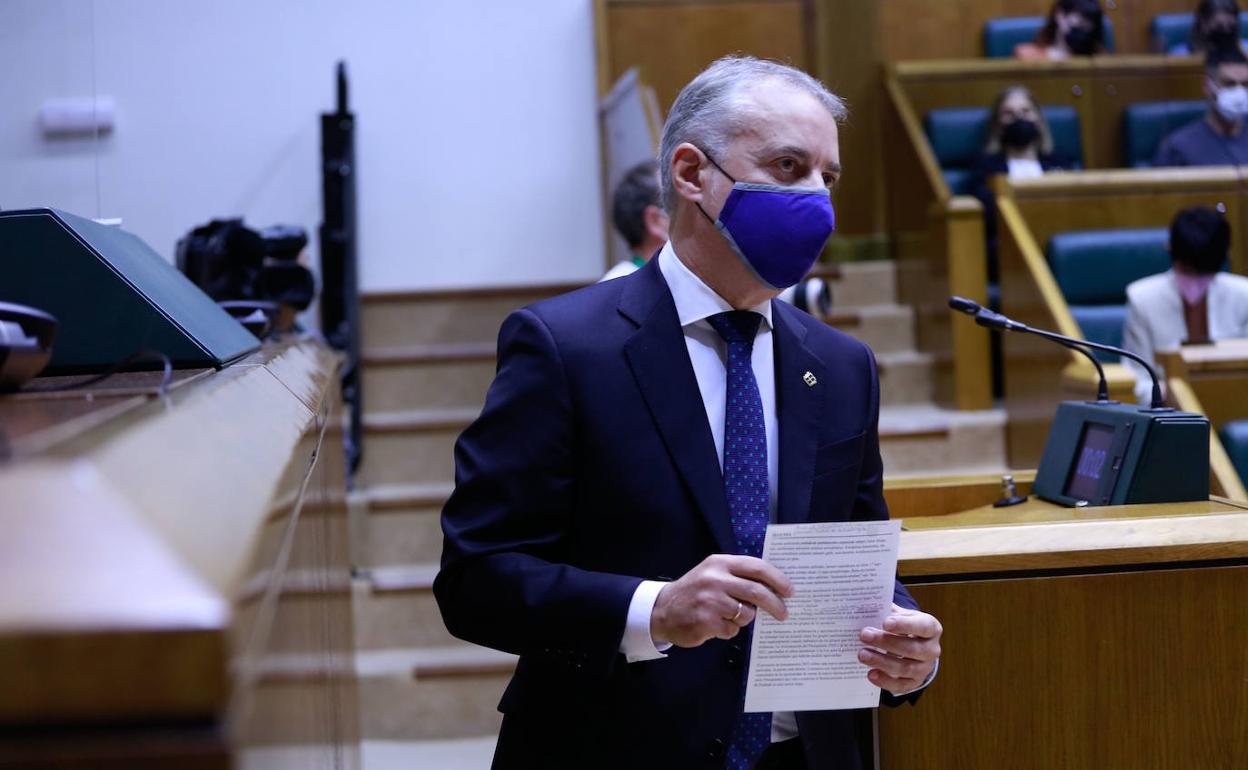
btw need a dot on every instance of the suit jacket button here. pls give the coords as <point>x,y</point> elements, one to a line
<point>734,658</point>
<point>716,749</point>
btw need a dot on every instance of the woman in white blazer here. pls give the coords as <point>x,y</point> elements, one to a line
<point>1192,301</point>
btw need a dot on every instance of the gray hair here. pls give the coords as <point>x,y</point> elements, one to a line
<point>707,113</point>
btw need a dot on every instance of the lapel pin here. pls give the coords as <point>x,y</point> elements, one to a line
<point>809,379</point>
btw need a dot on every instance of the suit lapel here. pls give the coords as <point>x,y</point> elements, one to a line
<point>798,406</point>
<point>659,360</point>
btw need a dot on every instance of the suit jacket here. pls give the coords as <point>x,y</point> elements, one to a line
<point>592,467</point>
<point>1155,318</point>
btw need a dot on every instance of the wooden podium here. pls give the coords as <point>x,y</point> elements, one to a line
<point>1104,638</point>
<point>176,587</point>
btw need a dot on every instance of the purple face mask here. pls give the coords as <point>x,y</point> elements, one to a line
<point>777,231</point>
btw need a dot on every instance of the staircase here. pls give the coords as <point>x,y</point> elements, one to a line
<point>428,699</point>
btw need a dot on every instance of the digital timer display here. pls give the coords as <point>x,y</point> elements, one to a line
<point>1092,454</point>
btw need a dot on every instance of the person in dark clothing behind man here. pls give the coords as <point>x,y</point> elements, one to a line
<point>638,216</point>
<point>1217,139</point>
<point>1018,144</point>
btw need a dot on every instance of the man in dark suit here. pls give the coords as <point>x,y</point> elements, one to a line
<point>611,499</point>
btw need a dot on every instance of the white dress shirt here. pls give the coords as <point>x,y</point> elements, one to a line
<point>695,302</point>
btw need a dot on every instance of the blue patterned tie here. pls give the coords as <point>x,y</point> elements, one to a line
<point>745,483</point>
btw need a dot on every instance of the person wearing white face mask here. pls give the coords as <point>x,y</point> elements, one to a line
<point>1193,301</point>
<point>1218,139</point>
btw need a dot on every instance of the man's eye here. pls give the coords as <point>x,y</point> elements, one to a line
<point>787,165</point>
<point>828,180</point>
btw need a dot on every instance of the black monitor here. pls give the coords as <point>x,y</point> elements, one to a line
<point>1114,454</point>
<point>111,294</point>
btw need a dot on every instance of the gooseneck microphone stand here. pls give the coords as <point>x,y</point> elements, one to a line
<point>993,320</point>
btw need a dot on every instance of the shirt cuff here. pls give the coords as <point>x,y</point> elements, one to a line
<point>926,682</point>
<point>637,644</point>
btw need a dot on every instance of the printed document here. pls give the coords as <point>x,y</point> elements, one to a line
<point>842,575</point>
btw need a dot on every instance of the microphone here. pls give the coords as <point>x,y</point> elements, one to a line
<point>993,320</point>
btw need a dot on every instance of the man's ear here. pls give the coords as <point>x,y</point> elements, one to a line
<point>687,164</point>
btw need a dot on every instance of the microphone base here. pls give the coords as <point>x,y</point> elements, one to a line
<point>1006,502</point>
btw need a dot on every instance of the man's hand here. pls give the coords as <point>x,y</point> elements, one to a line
<point>911,643</point>
<point>716,599</point>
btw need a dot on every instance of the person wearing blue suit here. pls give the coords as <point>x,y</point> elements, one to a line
<point>611,499</point>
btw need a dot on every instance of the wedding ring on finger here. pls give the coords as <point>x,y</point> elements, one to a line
<point>733,619</point>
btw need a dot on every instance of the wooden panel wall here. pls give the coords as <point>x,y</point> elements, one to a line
<point>670,42</point>
<point>846,58</point>
<point>1085,671</point>
<point>944,29</point>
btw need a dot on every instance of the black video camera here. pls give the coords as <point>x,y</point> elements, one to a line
<point>235,264</point>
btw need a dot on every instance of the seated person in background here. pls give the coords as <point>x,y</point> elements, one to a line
<point>638,216</point>
<point>1219,138</point>
<point>1192,301</point>
<point>1018,144</point>
<point>1074,28</point>
<point>1215,28</point>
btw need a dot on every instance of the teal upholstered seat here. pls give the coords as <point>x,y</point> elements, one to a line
<point>1234,437</point>
<point>1093,268</point>
<point>1173,29</point>
<point>957,135</point>
<point>1145,124</point>
<point>1003,34</point>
